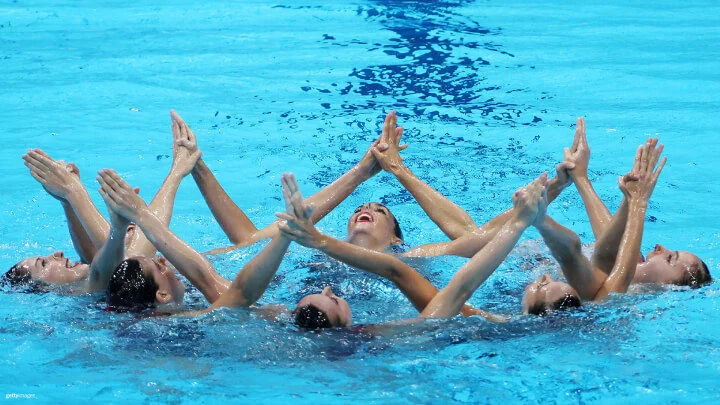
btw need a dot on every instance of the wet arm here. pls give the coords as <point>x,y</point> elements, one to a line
<point>107,258</point>
<point>84,246</point>
<point>565,246</point>
<point>191,264</point>
<point>233,221</point>
<point>450,300</point>
<point>252,281</point>
<point>624,270</point>
<point>469,244</point>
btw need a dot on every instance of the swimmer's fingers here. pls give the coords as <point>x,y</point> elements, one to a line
<point>660,168</point>
<point>655,153</point>
<point>638,159</point>
<point>389,126</point>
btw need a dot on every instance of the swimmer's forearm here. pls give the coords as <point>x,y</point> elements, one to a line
<point>191,264</point>
<point>107,258</point>
<point>418,290</point>
<point>597,212</point>
<point>336,192</point>
<point>608,244</point>
<point>80,238</point>
<point>566,248</point>
<point>96,226</point>
<point>251,282</point>
<point>624,270</point>
<point>450,300</point>
<point>233,221</point>
<point>451,219</point>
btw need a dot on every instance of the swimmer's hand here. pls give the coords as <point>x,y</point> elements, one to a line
<point>57,178</point>
<point>296,223</point>
<point>530,202</point>
<point>119,196</point>
<point>185,149</point>
<point>639,184</point>
<point>578,155</point>
<point>387,150</point>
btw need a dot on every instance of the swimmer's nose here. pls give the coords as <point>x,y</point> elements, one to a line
<point>659,248</point>
<point>59,254</point>
<point>327,291</point>
<point>545,278</point>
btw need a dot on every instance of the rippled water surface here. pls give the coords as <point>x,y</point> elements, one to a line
<point>488,92</point>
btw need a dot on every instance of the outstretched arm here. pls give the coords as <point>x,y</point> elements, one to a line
<point>111,253</point>
<point>528,203</point>
<point>164,201</point>
<point>451,219</point>
<point>566,248</point>
<point>471,243</point>
<point>637,186</point>
<point>191,264</point>
<point>578,155</point>
<point>88,228</point>
<point>238,226</point>
<point>251,282</point>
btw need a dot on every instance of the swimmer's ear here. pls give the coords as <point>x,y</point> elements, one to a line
<point>395,240</point>
<point>163,296</point>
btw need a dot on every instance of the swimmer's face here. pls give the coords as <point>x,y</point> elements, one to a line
<point>170,288</point>
<point>55,269</point>
<point>544,294</point>
<point>671,267</point>
<point>335,308</point>
<point>373,220</point>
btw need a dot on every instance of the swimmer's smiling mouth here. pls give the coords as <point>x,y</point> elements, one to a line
<point>365,217</point>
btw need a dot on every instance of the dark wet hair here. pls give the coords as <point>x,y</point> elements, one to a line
<point>566,302</point>
<point>310,317</point>
<point>18,278</point>
<point>698,276</point>
<point>129,288</point>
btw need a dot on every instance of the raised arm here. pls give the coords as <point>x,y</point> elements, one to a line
<point>566,248</point>
<point>529,203</point>
<point>238,226</point>
<point>88,228</point>
<point>579,156</point>
<point>111,253</point>
<point>164,201</point>
<point>191,264</point>
<point>451,219</point>
<point>251,282</point>
<point>469,244</point>
<point>608,243</point>
<point>637,186</point>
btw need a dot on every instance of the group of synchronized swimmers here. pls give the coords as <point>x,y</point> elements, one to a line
<point>120,258</point>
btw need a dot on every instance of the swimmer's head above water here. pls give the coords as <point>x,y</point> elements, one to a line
<point>138,283</point>
<point>373,226</point>
<point>545,295</point>
<point>324,310</point>
<point>678,267</point>
<point>51,269</point>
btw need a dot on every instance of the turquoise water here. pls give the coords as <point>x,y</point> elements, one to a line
<point>488,92</point>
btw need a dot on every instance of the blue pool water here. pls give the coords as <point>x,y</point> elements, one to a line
<point>488,92</point>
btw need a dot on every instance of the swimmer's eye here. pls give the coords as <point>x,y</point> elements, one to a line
<point>380,210</point>
<point>669,257</point>
<point>357,210</point>
<point>335,299</point>
<point>42,263</point>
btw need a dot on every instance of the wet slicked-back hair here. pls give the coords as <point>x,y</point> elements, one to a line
<point>18,278</point>
<point>698,275</point>
<point>129,288</point>
<point>566,302</point>
<point>310,317</point>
